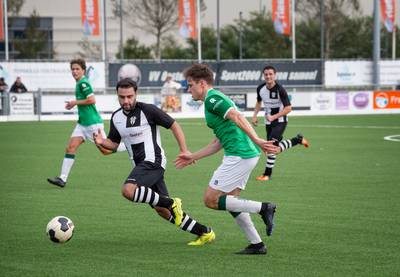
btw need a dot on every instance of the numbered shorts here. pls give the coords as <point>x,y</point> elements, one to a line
<point>233,173</point>
<point>86,132</point>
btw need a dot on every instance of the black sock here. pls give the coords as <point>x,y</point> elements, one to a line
<point>147,195</point>
<point>190,225</point>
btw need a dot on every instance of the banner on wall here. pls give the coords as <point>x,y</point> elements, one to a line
<point>230,73</point>
<point>386,100</point>
<point>52,75</point>
<point>187,18</point>
<point>359,73</point>
<point>90,17</point>
<point>21,104</point>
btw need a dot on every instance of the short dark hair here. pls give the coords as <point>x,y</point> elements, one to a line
<point>199,72</point>
<point>269,67</point>
<point>127,83</point>
<point>80,62</point>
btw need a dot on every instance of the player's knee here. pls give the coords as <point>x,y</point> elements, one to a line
<point>71,149</point>
<point>128,191</point>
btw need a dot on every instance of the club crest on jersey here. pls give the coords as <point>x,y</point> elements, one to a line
<point>132,120</point>
<point>212,100</point>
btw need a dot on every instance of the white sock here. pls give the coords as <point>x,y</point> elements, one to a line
<point>66,168</point>
<point>246,224</point>
<point>235,204</point>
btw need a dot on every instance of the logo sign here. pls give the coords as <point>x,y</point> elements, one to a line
<point>342,100</point>
<point>360,100</point>
<point>386,99</point>
<point>21,104</point>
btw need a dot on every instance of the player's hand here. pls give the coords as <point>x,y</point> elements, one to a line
<point>254,121</point>
<point>270,118</point>
<point>272,147</point>
<point>184,159</point>
<point>97,137</point>
<point>268,146</point>
<point>70,104</point>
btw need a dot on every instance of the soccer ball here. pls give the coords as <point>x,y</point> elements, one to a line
<point>60,229</point>
<point>130,71</point>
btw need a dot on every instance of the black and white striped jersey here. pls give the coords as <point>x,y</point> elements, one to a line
<point>139,131</point>
<point>274,99</point>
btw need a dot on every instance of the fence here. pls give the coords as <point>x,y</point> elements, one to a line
<point>49,104</point>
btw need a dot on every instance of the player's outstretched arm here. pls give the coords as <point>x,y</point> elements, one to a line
<point>185,159</point>
<point>242,123</point>
<point>106,146</point>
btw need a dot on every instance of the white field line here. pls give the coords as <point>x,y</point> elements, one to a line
<point>314,126</point>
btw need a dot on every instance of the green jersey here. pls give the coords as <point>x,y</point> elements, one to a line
<point>88,114</point>
<point>234,141</point>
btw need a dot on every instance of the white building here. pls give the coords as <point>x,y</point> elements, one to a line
<point>68,29</point>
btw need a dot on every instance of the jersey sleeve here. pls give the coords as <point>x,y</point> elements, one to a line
<point>157,116</point>
<point>284,97</point>
<point>259,99</point>
<point>114,135</point>
<point>218,105</point>
<point>86,88</point>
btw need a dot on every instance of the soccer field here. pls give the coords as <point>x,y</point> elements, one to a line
<point>338,206</point>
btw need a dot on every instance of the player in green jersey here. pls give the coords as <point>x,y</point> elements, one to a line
<point>89,120</point>
<point>241,144</point>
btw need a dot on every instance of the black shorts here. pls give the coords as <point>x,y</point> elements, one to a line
<point>149,175</point>
<point>275,131</point>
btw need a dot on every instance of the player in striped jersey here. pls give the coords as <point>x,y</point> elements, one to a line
<point>136,124</point>
<point>277,107</point>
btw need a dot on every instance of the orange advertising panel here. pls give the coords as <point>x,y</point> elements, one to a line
<point>187,19</point>
<point>90,17</point>
<point>281,16</point>
<point>387,99</point>
<point>1,21</point>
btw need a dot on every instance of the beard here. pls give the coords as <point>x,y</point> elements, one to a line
<point>128,107</point>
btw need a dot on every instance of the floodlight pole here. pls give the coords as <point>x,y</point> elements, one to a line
<point>198,31</point>
<point>121,38</point>
<point>5,15</point>
<point>104,32</point>
<point>293,32</point>
<point>377,46</point>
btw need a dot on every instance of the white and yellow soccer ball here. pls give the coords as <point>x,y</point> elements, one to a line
<point>60,229</point>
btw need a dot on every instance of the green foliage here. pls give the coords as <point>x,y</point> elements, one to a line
<point>33,44</point>
<point>134,50</point>
<point>14,6</point>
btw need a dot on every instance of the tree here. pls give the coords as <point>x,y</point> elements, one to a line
<point>260,39</point>
<point>134,50</point>
<point>90,49</point>
<point>335,14</point>
<point>33,41</point>
<point>14,6</point>
<point>157,17</point>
